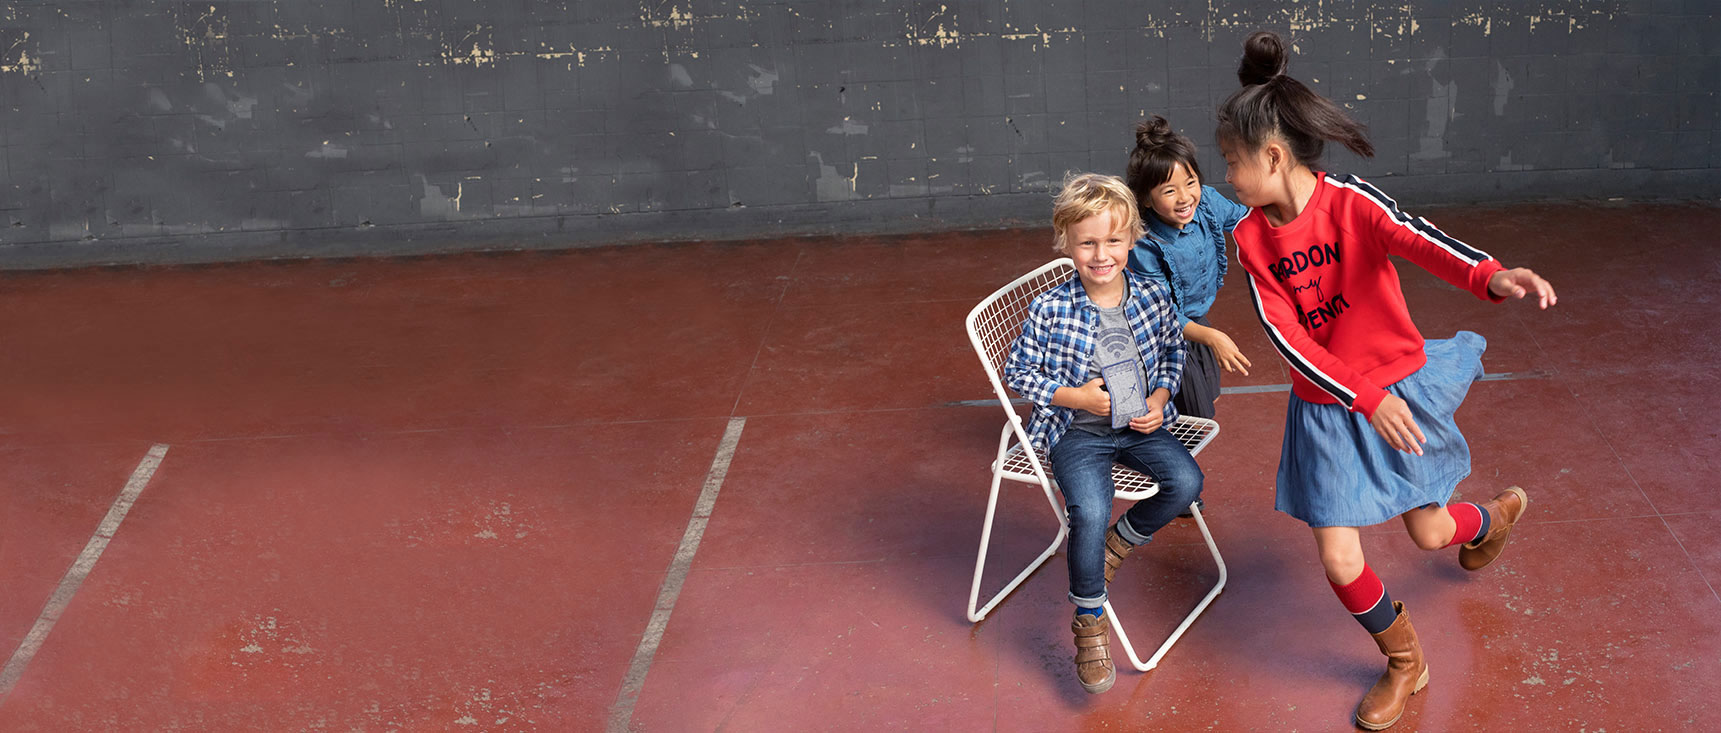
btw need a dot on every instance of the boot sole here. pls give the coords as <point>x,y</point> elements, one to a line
<point>1101,687</point>
<point>1421,682</point>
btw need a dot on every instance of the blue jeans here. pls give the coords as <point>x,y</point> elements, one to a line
<point>1081,463</point>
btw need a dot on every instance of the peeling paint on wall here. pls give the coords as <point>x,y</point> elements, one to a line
<point>18,58</point>
<point>1441,108</point>
<point>833,186</point>
<point>939,29</point>
<point>435,204</point>
<point>1502,88</point>
<point>474,48</point>
<point>203,29</point>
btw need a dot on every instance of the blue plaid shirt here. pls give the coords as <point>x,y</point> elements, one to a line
<point>1057,345</point>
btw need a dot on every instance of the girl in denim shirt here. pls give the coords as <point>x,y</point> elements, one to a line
<point>1184,249</point>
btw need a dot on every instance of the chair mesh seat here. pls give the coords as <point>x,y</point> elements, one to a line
<point>1193,434</point>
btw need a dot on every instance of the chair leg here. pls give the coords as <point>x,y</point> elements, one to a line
<point>1123,637</point>
<point>977,614</point>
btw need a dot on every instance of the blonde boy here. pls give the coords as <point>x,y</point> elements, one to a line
<point>1100,356</point>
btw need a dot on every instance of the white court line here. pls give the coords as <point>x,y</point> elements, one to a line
<point>80,570</point>
<point>621,713</point>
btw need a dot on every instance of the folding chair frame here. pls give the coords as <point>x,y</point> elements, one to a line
<point>992,337</point>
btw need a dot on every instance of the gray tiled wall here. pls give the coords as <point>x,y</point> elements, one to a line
<point>181,131</point>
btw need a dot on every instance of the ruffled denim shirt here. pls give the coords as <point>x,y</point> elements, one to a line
<point>1190,261</point>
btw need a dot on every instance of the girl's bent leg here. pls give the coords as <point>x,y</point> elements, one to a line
<point>1430,527</point>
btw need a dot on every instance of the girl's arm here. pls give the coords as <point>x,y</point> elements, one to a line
<point>1144,262</point>
<point>1224,349</point>
<point>1414,239</point>
<point>1226,211</point>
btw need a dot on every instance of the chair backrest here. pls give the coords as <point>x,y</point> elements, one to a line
<point>995,323</point>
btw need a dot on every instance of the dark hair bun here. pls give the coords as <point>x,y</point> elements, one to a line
<point>1263,60</point>
<point>1153,133</point>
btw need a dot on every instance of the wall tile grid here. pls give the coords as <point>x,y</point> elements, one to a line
<point>379,126</point>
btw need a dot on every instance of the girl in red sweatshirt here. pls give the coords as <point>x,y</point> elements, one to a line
<point>1369,433</point>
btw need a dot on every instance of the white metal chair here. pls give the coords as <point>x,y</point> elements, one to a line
<point>993,326</point>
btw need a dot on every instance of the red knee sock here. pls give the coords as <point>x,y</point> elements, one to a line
<point>1367,600</point>
<point>1471,520</point>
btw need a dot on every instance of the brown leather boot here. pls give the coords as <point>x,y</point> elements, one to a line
<point>1504,511</point>
<point>1406,674</point>
<point>1117,548</point>
<point>1093,653</point>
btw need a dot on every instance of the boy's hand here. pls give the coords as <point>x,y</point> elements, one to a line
<point>1149,422</point>
<point>1519,282</point>
<point>1226,351</point>
<point>1155,417</point>
<point>1093,397</point>
<point>1392,420</point>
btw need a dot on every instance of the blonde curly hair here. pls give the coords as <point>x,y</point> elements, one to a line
<point>1091,194</point>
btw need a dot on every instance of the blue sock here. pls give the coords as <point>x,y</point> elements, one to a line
<point>1096,612</point>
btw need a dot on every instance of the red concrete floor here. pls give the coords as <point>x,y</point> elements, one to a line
<point>445,494</point>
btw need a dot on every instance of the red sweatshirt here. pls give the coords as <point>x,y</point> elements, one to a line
<point>1329,297</point>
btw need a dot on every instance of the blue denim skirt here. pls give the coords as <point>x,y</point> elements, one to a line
<point>1335,471</point>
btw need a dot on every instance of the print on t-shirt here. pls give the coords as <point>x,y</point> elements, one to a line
<point>1325,309</point>
<point>1121,369</point>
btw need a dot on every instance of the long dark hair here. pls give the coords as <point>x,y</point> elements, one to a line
<point>1158,150</point>
<point>1273,104</point>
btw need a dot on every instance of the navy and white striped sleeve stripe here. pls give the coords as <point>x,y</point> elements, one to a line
<point>1464,252</point>
<point>1296,360</point>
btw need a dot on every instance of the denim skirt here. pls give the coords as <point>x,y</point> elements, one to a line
<point>1335,471</point>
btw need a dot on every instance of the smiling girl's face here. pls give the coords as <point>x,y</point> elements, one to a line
<point>1174,201</point>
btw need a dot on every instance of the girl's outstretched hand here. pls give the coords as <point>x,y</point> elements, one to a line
<point>1519,282</point>
<point>1393,422</point>
<point>1226,351</point>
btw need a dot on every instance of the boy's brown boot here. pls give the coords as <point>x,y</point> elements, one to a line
<point>1504,511</point>
<point>1117,548</point>
<point>1093,653</point>
<point>1406,674</point>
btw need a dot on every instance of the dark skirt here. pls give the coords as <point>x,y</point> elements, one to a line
<point>1200,385</point>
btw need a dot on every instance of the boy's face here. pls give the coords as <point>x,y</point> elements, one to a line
<point>1174,201</point>
<point>1100,247</point>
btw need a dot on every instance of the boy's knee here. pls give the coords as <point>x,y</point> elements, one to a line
<point>1184,483</point>
<point>1090,514</point>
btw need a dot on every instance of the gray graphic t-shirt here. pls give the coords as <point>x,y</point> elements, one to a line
<point>1117,360</point>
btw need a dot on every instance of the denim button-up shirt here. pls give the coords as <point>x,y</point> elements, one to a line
<point>1057,345</point>
<point>1191,260</point>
